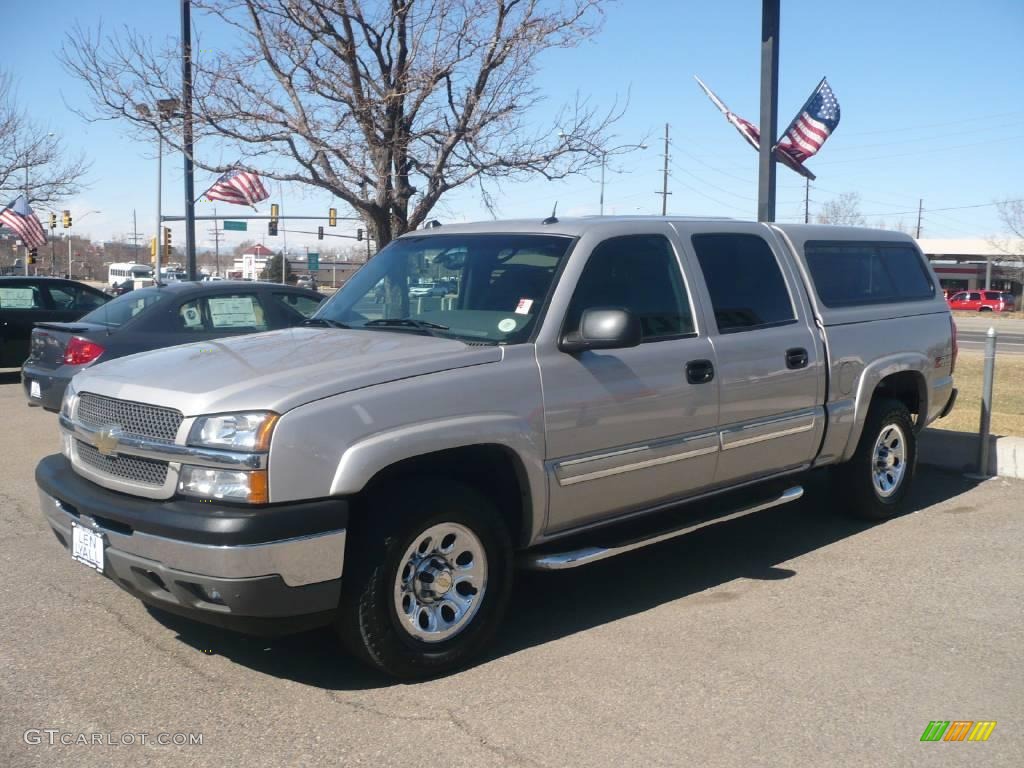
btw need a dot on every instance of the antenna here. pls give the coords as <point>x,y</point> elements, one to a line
<point>552,219</point>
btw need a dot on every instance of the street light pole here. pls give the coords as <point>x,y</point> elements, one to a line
<point>186,103</point>
<point>157,245</point>
<point>604,158</point>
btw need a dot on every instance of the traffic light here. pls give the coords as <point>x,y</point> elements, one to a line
<point>33,252</point>
<point>53,221</point>
<point>332,217</point>
<point>272,227</point>
<point>319,233</point>
<point>359,234</point>
<point>152,248</point>
<point>274,212</point>
<point>167,242</point>
<point>67,219</point>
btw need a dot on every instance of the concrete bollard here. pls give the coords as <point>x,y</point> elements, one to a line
<point>986,401</point>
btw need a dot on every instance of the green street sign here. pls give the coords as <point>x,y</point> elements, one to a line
<point>313,260</point>
<point>238,226</point>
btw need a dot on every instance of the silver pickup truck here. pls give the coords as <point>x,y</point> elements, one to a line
<point>584,388</point>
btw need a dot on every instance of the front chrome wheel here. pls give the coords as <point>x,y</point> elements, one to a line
<point>440,582</point>
<point>889,460</point>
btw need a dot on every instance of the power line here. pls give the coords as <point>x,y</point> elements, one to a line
<point>950,208</point>
<point>923,151</point>
<point>935,125</point>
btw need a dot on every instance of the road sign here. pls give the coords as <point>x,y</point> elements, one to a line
<point>313,261</point>
<point>238,226</point>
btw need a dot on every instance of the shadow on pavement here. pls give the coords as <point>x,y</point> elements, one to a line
<point>10,377</point>
<point>553,605</point>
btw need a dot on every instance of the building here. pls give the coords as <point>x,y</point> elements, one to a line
<point>974,264</point>
<point>250,264</point>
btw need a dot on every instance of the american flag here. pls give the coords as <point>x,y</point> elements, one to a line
<point>18,218</point>
<point>241,187</point>
<point>813,125</point>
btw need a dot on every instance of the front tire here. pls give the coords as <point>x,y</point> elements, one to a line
<point>426,581</point>
<point>875,482</point>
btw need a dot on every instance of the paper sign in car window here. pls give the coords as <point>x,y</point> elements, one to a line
<point>523,307</point>
<point>18,298</point>
<point>234,312</point>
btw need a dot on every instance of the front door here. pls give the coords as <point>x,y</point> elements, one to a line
<point>627,427</point>
<point>770,361</point>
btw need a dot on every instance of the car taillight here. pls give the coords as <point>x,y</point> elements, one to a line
<point>952,362</point>
<point>81,351</point>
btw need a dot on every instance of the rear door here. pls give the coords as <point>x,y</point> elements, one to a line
<point>22,304</point>
<point>69,301</point>
<point>770,362</point>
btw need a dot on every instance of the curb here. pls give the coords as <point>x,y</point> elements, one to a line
<point>958,451</point>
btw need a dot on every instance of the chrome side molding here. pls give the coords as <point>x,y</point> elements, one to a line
<point>557,561</point>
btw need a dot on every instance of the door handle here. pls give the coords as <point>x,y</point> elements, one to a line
<point>796,358</point>
<point>700,371</point>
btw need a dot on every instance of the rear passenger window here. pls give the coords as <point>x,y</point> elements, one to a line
<point>746,285</point>
<point>639,273</point>
<point>855,274</point>
<point>20,298</point>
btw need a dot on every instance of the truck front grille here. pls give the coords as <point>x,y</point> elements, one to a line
<point>129,468</point>
<point>135,419</point>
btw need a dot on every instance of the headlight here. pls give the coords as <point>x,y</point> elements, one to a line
<point>227,484</point>
<point>67,404</point>
<point>234,431</point>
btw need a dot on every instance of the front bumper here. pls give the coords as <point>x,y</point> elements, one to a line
<point>274,569</point>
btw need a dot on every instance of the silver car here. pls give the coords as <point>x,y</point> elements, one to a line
<point>587,373</point>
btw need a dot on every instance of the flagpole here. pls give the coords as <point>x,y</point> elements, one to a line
<point>769,109</point>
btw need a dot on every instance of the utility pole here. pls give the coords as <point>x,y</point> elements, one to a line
<point>157,245</point>
<point>807,201</point>
<point>769,109</point>
<point>186,106</point>
<point>216,233</point>
<point>920,208</point>
<point>284,242</point>
<point>664,178</point>
<point>135,238</point>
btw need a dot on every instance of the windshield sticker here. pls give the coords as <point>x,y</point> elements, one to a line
<point>523,307</point>
<point>233,313</point>
<point>506,325</point>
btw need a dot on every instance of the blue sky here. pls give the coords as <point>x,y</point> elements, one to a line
<point>931,91</point>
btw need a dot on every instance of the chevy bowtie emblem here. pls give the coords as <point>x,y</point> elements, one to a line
<point>107,440</point>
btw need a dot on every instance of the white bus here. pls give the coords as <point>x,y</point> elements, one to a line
<point>142,274</point>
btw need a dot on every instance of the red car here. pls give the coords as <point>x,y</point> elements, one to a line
<point>982,301</point>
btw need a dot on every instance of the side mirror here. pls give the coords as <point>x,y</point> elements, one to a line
<point>603,329</point>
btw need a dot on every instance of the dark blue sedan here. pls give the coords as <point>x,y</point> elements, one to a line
<point>152,318</point>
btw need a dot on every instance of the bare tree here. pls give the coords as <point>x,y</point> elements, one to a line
<point>28,148</point>
<point>843,210</point>
<point>387,104</point>
<point>1010,245</point>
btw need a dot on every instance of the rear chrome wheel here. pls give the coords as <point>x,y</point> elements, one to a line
<point>890,463</point>
<point>441,582</point>
<point>875,481</point>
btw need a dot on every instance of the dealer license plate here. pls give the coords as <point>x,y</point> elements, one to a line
<point>87,547</point>
<point>34,391</point>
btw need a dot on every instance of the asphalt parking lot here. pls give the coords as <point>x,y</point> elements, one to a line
<point>791,637</point>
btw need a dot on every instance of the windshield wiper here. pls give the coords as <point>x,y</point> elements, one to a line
<point>324,321</point>
<point>405,322</point>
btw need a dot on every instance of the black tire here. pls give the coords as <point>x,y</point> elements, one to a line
<point>392,520</point>
<point>856,478</point>
<point>985,309</point>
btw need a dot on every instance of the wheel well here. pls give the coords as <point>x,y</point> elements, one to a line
<point>906,386</point>
<point>492,470</point>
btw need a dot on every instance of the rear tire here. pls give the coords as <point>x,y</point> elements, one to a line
<point>426,582</point>
<point>875,482</point>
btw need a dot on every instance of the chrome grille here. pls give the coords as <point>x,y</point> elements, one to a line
<point>135,419</point>
<point>130,468</point>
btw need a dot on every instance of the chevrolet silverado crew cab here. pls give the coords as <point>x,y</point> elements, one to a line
<point>585,387</point>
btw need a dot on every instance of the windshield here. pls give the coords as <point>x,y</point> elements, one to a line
<point>486,288</point>
<point>119,311</point>
<point>142,272</point>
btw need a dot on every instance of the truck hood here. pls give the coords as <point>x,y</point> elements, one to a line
<point>277,370</point>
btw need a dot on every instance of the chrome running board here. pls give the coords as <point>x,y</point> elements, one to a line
<point>557,561</point>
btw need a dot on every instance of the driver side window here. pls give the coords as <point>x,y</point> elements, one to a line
<point>638,273</point>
